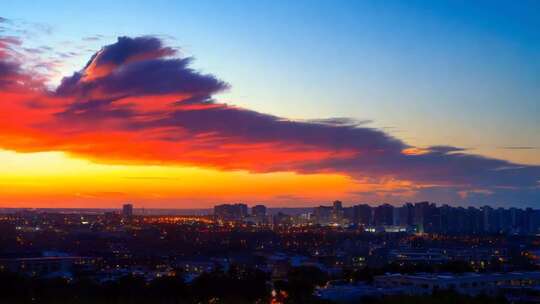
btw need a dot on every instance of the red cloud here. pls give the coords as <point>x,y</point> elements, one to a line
<point>135,102</point>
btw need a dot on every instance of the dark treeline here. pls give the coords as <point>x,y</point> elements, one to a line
<point>249,286</point>
<point>235,286</point>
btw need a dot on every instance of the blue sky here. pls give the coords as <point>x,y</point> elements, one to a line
<point>459,73</point>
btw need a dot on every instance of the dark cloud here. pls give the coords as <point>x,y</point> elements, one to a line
<point>10,74</point>
<point>340,121</point>
<point>161,77</point>
<point>139,66</point>
<point>445,149</point>
<point>135,102</point>
<point>8,68</point>
<point>126,48</point>
<point>251,126</point>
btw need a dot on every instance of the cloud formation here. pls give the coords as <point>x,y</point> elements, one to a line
<point>137,101</point>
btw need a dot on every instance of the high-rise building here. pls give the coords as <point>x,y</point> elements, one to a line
<point>476,220</point>
<point>420,211</point>
<point>426,217</point>
<point>338,205</point>
<point>323,214</point>
<point>282,219</point>
<point>449,219</point>
<point>258,211</point>
<point>490,221</point>
<point>127,211</point>
<point>337,211</point>
<point>534,221</point>
<point>231,212</point>
<point>363,214</point>
<point>383,215</point>
<point>404,215</point>
<point>517,217</point>
<point>505,220</point>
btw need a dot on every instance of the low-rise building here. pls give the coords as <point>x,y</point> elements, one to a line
<point>468,283</point>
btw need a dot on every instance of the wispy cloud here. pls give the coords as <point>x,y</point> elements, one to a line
<point>519,148</point>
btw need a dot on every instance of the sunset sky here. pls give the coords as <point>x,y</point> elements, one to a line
<point>173,104</point>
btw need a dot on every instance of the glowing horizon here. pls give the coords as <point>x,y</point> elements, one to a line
<point>39,177</point>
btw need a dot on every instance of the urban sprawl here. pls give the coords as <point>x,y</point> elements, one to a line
<point>240,254</point>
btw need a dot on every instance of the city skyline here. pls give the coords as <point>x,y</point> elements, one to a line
<point>156,115</point>
<point>419,217</point>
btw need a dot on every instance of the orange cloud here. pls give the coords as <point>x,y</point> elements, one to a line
<point>136,103</point>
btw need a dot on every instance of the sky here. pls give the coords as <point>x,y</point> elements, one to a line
<point>185,104</point>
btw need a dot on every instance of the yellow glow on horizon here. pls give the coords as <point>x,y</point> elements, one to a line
<point>54,179</point>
